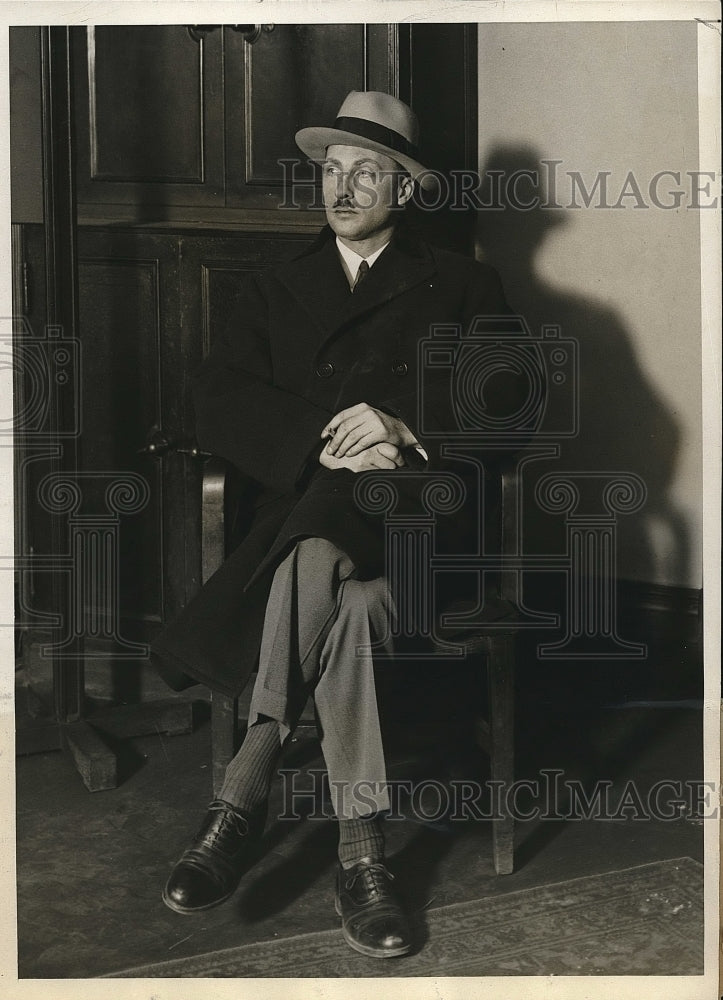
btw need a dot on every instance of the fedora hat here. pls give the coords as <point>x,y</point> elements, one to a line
<point>372,120</point>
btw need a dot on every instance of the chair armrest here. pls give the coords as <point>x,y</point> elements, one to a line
<point>509,471</point>
<point>213,532</point>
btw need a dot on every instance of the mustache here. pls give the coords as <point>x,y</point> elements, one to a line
<point>343,203</point>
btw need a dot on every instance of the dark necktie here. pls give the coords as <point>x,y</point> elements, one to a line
<point>361,275</point>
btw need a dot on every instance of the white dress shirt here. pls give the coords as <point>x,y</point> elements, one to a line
<point>350,260</point>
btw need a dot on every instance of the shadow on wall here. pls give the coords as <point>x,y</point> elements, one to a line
<point>624,425</point>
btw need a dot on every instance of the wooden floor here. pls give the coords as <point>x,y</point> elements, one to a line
<point>90,868</point>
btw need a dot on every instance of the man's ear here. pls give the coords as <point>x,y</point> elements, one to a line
<point>405,189</point>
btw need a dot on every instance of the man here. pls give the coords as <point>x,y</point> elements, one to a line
<point>315,381</point>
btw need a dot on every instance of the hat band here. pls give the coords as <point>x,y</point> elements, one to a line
<point>377,133</point>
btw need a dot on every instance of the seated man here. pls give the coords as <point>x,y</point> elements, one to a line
<point>314,381</point>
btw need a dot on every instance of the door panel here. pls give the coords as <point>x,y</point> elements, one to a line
<point>291,77</point>
<point>121,341</point>
<point>149,116</point>
<point>217,265</point>
<point>131,68</point>
<point>133,375</point>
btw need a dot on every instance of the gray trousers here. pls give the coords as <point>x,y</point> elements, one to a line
<point>320,622</point>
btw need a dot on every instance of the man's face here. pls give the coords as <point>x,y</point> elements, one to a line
<point>363,191</point>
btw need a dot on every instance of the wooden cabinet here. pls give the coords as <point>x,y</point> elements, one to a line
<point>182,124</point>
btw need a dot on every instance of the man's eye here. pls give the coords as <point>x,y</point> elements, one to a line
<point>330,170</point>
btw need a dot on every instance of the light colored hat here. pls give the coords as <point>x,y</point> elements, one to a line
<point>372,120</point>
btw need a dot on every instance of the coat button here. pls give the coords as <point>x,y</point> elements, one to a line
<point>399,367</point>
<point>325,369</point>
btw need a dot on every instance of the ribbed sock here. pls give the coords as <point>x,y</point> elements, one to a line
<point>360,838</point>
<point>249,775</point>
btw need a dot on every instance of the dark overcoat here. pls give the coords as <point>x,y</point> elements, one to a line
<point>298,348</point>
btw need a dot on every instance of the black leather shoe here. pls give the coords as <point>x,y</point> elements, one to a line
<point>211,869</point>
<point>373,922</point>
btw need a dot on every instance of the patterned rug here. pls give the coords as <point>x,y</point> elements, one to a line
<point>642,921</point>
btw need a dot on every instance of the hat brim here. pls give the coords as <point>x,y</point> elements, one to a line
<point>313,143</point>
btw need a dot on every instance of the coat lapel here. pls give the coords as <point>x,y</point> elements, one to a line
<point>318,282</point>
<point>399,268</point>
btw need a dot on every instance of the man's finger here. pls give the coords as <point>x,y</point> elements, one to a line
<point>365,441</point>
<point>339,443</point>
<point>348,433</point>
<point>341,416</point>
<point>359,426</point>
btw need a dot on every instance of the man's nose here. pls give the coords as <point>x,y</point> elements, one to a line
<point>344,186</point>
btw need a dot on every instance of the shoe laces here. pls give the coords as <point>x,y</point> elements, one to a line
<point>375,878</point>
<point>231,821</point>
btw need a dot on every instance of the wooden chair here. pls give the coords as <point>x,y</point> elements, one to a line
<point>494,649</point>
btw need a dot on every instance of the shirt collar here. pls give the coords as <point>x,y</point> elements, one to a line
<point>351,259</point>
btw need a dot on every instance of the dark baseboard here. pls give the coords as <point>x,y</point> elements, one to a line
<point>660,612</point>
<point>665,620</point>
<point>636,596</point>
<point>648,609</point>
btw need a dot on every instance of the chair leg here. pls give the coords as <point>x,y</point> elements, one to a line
<point>224,736</point>
<point>501,685</point>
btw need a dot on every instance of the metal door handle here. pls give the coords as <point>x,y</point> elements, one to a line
<point>157,444</point>
<point>193,451</point>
